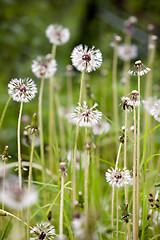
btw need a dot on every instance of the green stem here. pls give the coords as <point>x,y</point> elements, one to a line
<point>115,96</point>
<point>41,128</point>
<point>125,155</point>
<point>61,207</point>
<point>86,178</point>
<point>134,180</point>
<point>76,141</point>
<point>4,111</point>
<point>29,183</point>
<point>138,150</point>
<point>117,213</point>
<point>19,146</point>
<point>112,211</point>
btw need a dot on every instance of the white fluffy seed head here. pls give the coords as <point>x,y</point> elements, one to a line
<point>86,59</point>
<point>57,34</point>
<point>44,66</point>
<point>22,90</point>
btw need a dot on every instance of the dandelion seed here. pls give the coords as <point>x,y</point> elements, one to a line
<point>22,90</point>
<point>139,69</point>
<point>43,230</point>
<point>149,105</point>
<point>126,52</point>
<point>155,111</point>
<point>118,178</point>
<point>85,59</point>
<point>57,34</point>
<point>17,198</point>
<point>86,117</point>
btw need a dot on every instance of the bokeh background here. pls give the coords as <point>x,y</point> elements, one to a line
<point>91,22</point>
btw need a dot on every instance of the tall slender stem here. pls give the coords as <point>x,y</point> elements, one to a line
<point>4,111</point>
<point>138,150</point>
<point>86,178</point>
<point>29,183</point>
<point>19,146</point>
<point>118,154</point>
<point>52,127</point>
<point>75,146</point>
<point>41,128</point>
<point>114,87</point>
<point>134,180</point>
<point>61,208</point>
<point>117,213</point>
<point>125,155</point>
<point>112,210</point>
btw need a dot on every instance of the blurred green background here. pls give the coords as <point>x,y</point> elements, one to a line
<point>91,22</point>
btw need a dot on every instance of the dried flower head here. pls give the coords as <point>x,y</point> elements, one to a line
<point>43,230</point>
<point>33,128</point>
<point>139,69</point>
<point>127,103</point>
<point>57,34</point>
<point>135,98</point>
<point>118,178</point>
<point>86,117</point>
<point>44,66</point>
<point>101,127</point>
<point>22,90</point>
<point>127,52</point>
<point>17,198</point>
<point>85,59</point>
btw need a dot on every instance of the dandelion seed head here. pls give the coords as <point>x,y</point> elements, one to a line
<point>118,178</point>
<point>22,90</point>
<point>85,59</point>
<point>86,117</point>
<point>44,66</point>
<point>17,198</point>
<point>126,52</point>
<point>57,34</point>
<point>43,230</point>
<point>139,69</point>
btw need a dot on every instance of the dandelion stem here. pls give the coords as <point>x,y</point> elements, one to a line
<point>125,155</point>
<point>117,213</point>
<point>61,207</point>
<point>19,146</point>
<point>29,183</point>
<point>138,150</point>
<point>112,211</point>
<point>52,126</point>
<point>114,87</point>
<point>134,180</point>
<point>41,128</point>
<point>118,154</point>
<point>4,111</point>
<point>76,140</point>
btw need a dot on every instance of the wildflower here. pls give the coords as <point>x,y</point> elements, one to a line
<point>126,52</point>
<point>62,169</point>
<point>86,117</point>
<point>17,198</point>
<point>127,103</point>
<point>43,230</point>
<point>80,159</point>
<point>44,66</point>
<point>139,69</point>
<point>22,90</point>
<point>118,178</point>
<point>57,34</point>
<point>85,59</point>
<point>135,98</point>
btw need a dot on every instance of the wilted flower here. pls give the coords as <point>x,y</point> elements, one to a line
<point>43,230</point>
<point>22,90</point>
<point>127,52</point>
<point>57,34</point>
<point>80,159</point>
<point>86,117</point>
<point>139,69</point>
<point>44,66</point>
<point>118,178</point>
<point>85,59</point>
<point>17,198</point>
<point>127,103</point>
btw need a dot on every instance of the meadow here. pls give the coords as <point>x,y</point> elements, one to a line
<point>80,141</point>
